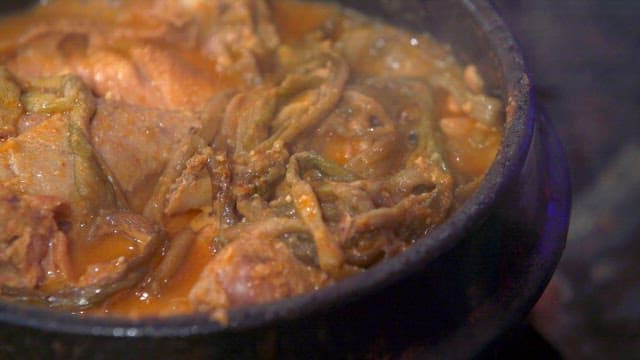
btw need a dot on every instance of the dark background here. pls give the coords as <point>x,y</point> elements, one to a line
<point>584,56</point>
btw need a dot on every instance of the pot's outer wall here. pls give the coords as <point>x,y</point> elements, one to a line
<point>497,252</point>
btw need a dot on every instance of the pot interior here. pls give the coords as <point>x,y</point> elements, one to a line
<point>477,36</point>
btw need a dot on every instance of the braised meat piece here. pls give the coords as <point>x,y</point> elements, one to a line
<point>54,157</point>
<point>142,74</point>
<point>162,54</point>
<point>136,143</point>
<point>389,53</point>
<point>254,268</point>
<point>32,245</point>
<point>52,164</point>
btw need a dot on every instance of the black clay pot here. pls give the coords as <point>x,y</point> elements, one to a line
<point>448,296</point>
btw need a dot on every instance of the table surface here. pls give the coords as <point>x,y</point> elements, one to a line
<point>583,56</point>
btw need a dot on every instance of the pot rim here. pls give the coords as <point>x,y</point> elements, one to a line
<point>502,174</point>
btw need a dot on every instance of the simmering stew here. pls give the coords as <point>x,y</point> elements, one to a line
<point>163,157</point>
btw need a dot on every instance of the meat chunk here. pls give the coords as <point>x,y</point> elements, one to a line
<point>358,134</point>
<point>54,157</point>
<point>241,31</point>
<point>391,52</point>
<point>255,268</point>
<point>381,50</point>
<point>31,243</point>
<point>227,28</point>
<point>136,142</point>
<point>143,74</point>
<point>192,190</point>
<point>50,164</point>
<point>169,54</point>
